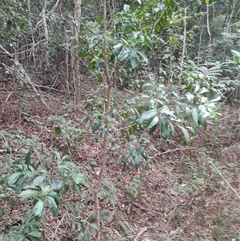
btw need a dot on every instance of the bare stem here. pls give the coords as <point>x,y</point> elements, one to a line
<point>106,111</point>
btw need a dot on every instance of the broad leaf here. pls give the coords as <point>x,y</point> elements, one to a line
<point>52,205</point>
<point>13,178</point>
<point>194,113</point>
<point>186,134</point>
<point>164,128</point>
<point>28,194</point>
<point>38,208</point>
<point>146,116</point>
<point>57,130</point>
<point>38,180</point>
<point>80,178</point>
<point>56,184</point>
<point>96,126</point>
<point>152,122</point>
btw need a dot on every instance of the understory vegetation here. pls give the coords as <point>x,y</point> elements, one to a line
<point>119,120</point>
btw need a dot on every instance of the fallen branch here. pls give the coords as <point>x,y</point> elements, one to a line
<point>141,232</point>
<point>177,149</point>
<point>55,233</point>
<point>23,73</point>
<point>225,180</point>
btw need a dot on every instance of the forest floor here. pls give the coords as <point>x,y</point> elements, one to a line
<point>181,192</point>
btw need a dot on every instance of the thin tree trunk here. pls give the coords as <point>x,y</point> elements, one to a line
<point>75,60</point>
<point>200,41</point>
<point>32,35</point>
<point>109,83</point>
<point>46,80</point>
<point>210,36</point>
<point>184,40</point>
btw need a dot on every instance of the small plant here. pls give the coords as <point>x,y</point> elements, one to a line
<point>134,187</point>
<point>72,134</point>
<point>36,182</point>
<point>108,192</point>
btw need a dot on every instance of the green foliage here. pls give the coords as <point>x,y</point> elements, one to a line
<point>35,182</point>
<point>72,134</point>
<point>26,228</point>
<point>135,32</point>
<point>134,186</point>
<point>186,108</point>
<point>13,21</point>
<point>108,192</point>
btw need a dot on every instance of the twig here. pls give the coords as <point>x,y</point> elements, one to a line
<point>141,232</point>
<point>177,149</point>
<point>20,68</point>
<point>224,179</point>
<point>8,96</point>
<point>33,45</point>
<point>48,14</point>
<point>55,233</point>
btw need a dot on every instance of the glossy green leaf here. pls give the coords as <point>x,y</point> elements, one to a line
<point>57,130</point>
<point>124,55</point>
<point>144,56</point>
<point>152,122</point>
<point>164,128</point>
<point>56,184</point>
<point>46,189</point>
<point>146,116</point>
<point>203,91</point>
<point>96,126</point>
<point>52,205</point>
<point>35,234</point>
<point>38,180</point>
<point>103,131</point>
<point>202,121</point>
<point>187,113</point>
<point>185,134</point>
<point>80,178</point>
<point>28,194</point>
<point>172,128</point>
<point>193,130</point>
<point>131,101</point>
<point>215,98</point>
<point>194,114</point>
<point>13,178</point>
<point>38,208</point>
<point>189,97</point>
<point>133,61</point>
<point>88,123</point>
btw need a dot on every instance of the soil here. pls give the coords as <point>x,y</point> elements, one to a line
<point>180,193</point>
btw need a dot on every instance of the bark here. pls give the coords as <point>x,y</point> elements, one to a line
<point>104,158</point>
<point>75,67</point>
<point>46,80</point>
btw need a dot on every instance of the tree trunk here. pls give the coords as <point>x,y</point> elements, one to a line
<point>75,68</point>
